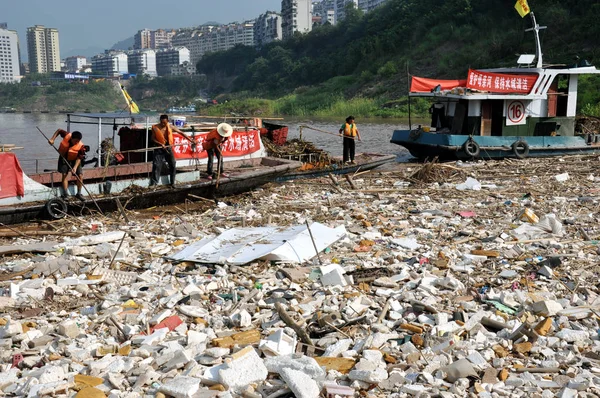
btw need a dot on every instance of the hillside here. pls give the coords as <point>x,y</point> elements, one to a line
<point>54,96</point>
<point>360,65</point>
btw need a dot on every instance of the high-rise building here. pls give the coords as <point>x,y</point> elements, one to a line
<point>296,17</point>
<point>43,49</point>
<point>10,70</point>
<point>325,9</point>
<point>267,28</point>
<point>142,39</point>
<point>111,63</point>
<point>161,38</point>
<point>165,59</point>
<point>75,63</point>
<point>142,62</point>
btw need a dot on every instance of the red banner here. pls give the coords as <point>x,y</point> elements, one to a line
<point>11,176</point>
<point>424,85</point>
<point>500,83</point>
<point>239,144</point>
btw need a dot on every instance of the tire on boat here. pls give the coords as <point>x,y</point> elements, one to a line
<point>471,148</point>
<point>415,134</point>
<point>56,208</point>
<point>520,149</point>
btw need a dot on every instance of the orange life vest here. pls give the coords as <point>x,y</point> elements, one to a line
<point>350,130</point>
<point>160,137</point>
<point>209,141</point>
<point>68,151</point>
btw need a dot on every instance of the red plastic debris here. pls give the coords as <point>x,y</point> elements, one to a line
<point>17,359</point>
<point>171,322</point>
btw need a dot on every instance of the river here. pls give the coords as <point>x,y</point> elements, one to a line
<point>20,129</point>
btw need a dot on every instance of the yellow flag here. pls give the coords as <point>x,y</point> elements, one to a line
<point>133,108</point>
<point>522,8</point>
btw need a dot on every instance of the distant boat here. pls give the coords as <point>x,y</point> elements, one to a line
<point>529,111</point>
<point>182,109</point>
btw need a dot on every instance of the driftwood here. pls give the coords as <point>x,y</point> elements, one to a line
<point>287,319</point>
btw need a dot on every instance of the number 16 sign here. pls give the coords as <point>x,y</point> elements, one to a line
<point>515,113</point>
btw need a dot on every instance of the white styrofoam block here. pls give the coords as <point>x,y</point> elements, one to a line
<point>301,384</point>
<point>181,387</point>
<point>245,368</point>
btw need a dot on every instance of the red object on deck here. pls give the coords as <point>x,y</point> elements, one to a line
<point>277,133</point>
<point>11,176</point>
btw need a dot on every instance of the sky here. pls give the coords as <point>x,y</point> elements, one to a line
<point>100,24</point>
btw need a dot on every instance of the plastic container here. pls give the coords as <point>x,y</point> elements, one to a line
<point>178,121</point>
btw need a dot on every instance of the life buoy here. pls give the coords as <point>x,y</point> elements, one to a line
<point>471,148</point>
<point>56,208</point>
<point>520,149</point>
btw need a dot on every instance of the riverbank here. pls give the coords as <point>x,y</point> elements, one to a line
<point>435,289</point>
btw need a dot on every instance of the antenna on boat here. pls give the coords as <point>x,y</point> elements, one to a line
<point>538,46</point>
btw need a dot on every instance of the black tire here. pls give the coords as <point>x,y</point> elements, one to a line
<point>56,208</point>
<point>471,148</point>
<point>520,149</point>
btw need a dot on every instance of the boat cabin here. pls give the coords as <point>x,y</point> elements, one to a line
<point>505,102</point>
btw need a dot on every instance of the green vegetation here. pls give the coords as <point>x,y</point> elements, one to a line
<point>161,93</point>
<point>56,95</point>
<point>359,66</point>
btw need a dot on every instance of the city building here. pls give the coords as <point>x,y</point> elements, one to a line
<point>75,63</point>
<point>142,39</point>
<point>10,71</point>
<point>267,28</point>
<point>296,17</point>
<point>3,25</point>
<point>43,49</point>
<point>194,40</point>
<point>325,10</point>
<point>161,38</point>
<point>165,59</point>
<point>142,62</point>
<point>340,8</point>
<point>184,69</point>
<point>111,63</point>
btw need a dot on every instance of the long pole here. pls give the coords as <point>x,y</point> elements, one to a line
<point>408,84</point>
<point>326,132</point>
<point>72,171</point>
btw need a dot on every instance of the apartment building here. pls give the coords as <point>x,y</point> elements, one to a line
<point>184,69</point>
<point>161,38</point>
<point>43,49</point>
<point>340,8</point>
<point>10,71</point>
<point>142,39</point>
<point>111,63</point>
<point>75,63</point>
<point>165,59</point>
<point>142,62</point>
<point>325,11</point>
<point>296,17</point>
<point>267,28</point>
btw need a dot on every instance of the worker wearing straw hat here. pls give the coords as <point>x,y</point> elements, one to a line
<point>212,143</point>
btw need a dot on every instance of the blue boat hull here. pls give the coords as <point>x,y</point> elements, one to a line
<point>424,145</point>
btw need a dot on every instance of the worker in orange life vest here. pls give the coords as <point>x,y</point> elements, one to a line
<point>350,134</point>
<point>162,137</point>
<point>212,143</point>
<point>72,153</point>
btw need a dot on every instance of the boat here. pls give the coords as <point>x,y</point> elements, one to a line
<point>518,112</point>
<point>182,109</point>
<point>121,177</point>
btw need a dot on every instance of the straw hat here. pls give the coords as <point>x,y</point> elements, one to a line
<point>224,130</point>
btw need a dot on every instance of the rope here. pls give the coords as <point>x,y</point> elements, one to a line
<point>327,132</point>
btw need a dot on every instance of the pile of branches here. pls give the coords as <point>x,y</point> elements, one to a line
<point>434,172</point>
